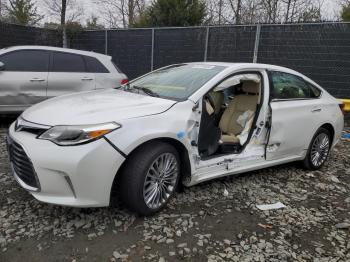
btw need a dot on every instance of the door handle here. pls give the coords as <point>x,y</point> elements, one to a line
<point>87,79</point>
<point>316,110</point>
<point>37,80</point>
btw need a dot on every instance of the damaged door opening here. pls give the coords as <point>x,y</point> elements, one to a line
<point>229,114</point>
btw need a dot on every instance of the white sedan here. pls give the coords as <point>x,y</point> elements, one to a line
<point>185,123</point>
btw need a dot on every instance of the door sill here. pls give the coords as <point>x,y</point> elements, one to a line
<point>220,170</point>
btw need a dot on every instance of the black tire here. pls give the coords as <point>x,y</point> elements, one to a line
<point>132,179</point>
<point>307,162</point>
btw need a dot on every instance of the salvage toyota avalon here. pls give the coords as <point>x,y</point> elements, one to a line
<point>184,123</point>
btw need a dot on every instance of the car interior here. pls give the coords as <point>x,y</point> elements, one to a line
<point>228,115</point>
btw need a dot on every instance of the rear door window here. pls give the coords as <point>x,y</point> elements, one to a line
<point>94,66</point>
<point>288,86</point>
<point>69,63</point>
<point>26,61</point>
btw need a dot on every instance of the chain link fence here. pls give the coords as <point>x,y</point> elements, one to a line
<point>11,35</point>
<point>318,50</point>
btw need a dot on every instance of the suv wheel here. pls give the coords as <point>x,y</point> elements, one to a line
<point>150,178</point>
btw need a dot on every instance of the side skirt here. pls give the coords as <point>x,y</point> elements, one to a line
<point>227,168</point>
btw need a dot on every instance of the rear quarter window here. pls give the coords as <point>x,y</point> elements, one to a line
<point>116,67</point>
<point>315,92</point>
<point>94,65</point>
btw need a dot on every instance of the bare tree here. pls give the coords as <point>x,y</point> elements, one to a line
<point>252,13</point>
<point>343,2</point>
<point>289,4</point>
<point>211,14</point>
<point>242,11</point>
<point>2,7</point>
<point>120,13</point>
<point>302,10</point>
<point>271,10</point>
<point>285,11</point>
<point>220,11</point>
<point>313,12</point>
<point>293,9</point>
<point>73,13</point>
<point>225,11</point>
<point>214,12</point>
<point>65,11</point>
<point>236,8</point>
<point>238,12</point>
<point>263,11</point>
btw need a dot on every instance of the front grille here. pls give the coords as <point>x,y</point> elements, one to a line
<point>22,165</point>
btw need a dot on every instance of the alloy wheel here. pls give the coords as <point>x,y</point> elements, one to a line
<point>160,180</point>
<point>320,149</point>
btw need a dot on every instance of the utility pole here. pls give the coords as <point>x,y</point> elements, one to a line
<point>0,9</point>
<point>220,10</point>
<point>238,12</point>
<point>63,22</point>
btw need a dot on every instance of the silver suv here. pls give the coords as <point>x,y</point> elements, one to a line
<point>30,74</point>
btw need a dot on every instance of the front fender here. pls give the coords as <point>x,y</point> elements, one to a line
<point>134,132</point>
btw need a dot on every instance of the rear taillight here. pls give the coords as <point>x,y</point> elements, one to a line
<point>124,81</point>
<point>342,107</point>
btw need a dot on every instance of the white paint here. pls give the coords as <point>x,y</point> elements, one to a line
<point>92,167</point>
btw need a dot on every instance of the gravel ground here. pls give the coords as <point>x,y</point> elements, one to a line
<point>214,221</point>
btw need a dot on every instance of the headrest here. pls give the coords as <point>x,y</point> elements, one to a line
<point>250,87</point>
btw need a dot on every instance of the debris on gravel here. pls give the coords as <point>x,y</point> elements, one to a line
<point>214,221</point>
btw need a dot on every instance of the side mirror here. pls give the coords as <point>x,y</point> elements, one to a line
<point>2,66</point>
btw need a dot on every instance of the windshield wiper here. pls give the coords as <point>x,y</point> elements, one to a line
<point>145,90</point>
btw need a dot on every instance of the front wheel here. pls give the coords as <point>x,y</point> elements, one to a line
<point>318,150</point>
<point>150,177</point>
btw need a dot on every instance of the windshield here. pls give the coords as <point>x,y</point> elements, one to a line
<point>176,82</point>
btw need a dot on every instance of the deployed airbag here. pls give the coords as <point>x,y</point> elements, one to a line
<point>246,121</point>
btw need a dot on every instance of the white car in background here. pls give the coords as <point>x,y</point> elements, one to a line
<point>31,74</point>
<point>184,123</point>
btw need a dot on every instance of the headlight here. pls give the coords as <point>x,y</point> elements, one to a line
<point>75,135</point>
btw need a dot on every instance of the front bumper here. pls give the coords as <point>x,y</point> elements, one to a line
<point>80,176</point>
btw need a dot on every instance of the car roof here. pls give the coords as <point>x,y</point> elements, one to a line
<point>254,66</point>
<point>235,66</point>
<point>59,49</point>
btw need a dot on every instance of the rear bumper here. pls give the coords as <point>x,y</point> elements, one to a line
<point>80,176</point>
<point>338,129</point>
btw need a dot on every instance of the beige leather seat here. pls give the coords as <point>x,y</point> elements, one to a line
<point>238,105</point>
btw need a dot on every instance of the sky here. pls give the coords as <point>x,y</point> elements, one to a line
<point>331,10</point>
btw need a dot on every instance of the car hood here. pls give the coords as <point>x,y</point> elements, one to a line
<point>95,107</point>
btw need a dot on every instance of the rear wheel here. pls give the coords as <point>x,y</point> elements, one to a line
<point>149,178</point>
<point>318,150</point>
